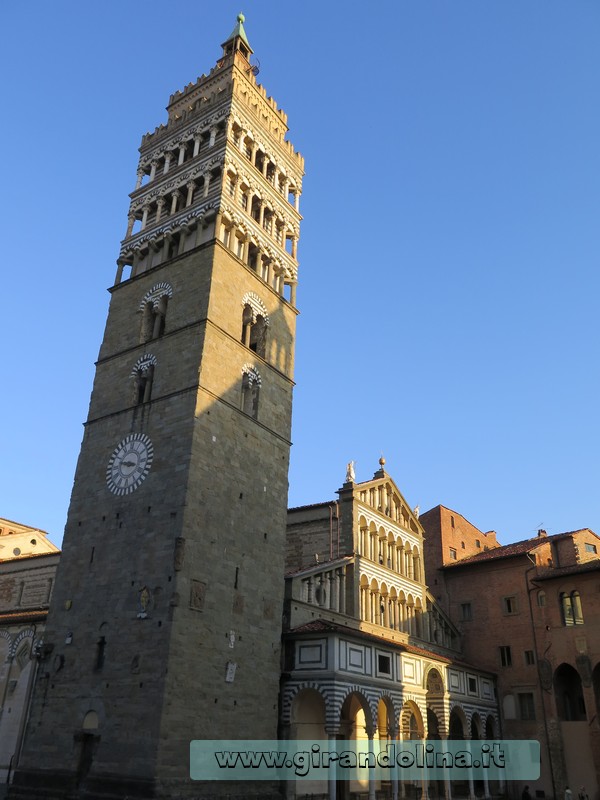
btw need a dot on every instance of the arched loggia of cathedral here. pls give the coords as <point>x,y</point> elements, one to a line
<point>368,654</point>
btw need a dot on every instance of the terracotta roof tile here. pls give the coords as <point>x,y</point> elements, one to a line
<point>547,573</point>
<point>509,550</point>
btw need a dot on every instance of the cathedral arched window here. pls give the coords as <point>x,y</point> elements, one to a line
<point>154,311</point>
<point>251,382</point>
<point>255,322</point>
<point>143,377</point>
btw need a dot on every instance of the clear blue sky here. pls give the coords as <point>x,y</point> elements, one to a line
<point>448,257</point>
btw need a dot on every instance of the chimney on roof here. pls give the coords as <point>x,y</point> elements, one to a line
<point>541,532</point>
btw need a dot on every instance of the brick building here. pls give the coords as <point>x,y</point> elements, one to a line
<point>528,612</point>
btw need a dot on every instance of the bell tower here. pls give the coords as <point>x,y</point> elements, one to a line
<point>166,617</point>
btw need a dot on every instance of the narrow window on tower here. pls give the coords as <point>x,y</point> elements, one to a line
<point>147,322</point>
<point>143,376</point>
<point>247,320</point>
<point>144,385</point>
<point>250,391</point>
<point>159,317</point>
<point>100,648</point>
<point>258,335</point>
<point>153,319</point>
<point>154,312</point>
<point>255,321</point>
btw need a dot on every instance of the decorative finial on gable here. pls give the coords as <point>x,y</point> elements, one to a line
<point>381,471</point>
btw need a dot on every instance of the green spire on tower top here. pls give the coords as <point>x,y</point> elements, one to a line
<point>239,31</point>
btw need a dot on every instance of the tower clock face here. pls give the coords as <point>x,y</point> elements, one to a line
<point>129,464</point>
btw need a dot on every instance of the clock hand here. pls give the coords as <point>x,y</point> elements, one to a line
<point>129,463</point>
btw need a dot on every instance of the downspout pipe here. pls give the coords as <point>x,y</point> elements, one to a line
<point>529,587</point>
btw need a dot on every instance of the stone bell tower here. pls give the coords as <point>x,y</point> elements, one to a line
<point>166,617</point>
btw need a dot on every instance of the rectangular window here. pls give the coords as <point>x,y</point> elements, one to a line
<point>466,612</point>
<point>451,522</point>
<point>453,553</point>
<point>472,685</point>
<point>590,548</point>
<point>526,706</point>
<point>509,604</point>
<point>505,656</point>
<point>529,657</point>
<point>384,664</point>
<point>477,543</point>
